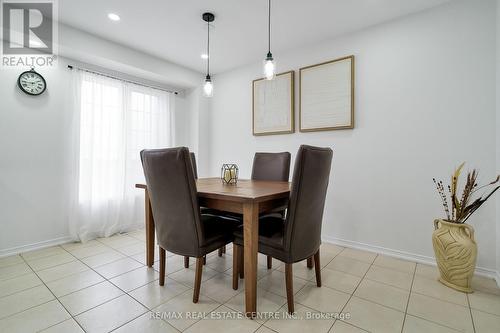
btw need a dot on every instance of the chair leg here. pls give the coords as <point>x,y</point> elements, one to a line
<point>220,251</point>
<point>224,249</point>
<point>310,262</point>
<point>289,287</point>
<point>186,262</point>
<point>269,262</point>
<point>236,257</point>
<point>241,263</point>
<point>197,279</point>
<point>162,266</point>
<point>317,268</point>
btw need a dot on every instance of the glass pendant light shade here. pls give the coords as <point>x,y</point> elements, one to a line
<point>269,67</point>
<point>208,87</point>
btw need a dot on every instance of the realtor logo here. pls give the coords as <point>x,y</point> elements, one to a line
<point>29,29</point>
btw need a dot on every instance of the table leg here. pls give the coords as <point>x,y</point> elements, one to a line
<point>250,242</point>
<point>150,232</point>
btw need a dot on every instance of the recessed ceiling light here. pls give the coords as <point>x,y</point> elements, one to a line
<point>113,17</point>
<point>204,56</point>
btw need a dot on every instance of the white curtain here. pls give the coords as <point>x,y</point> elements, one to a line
<point>115,120</point>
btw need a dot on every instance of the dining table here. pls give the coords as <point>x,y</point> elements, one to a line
<point>247,197</point>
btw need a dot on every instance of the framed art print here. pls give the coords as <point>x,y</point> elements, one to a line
<point>273,105</point>
<point>326,98</point>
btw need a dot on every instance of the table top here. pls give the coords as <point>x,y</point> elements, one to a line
<point>244,190</point>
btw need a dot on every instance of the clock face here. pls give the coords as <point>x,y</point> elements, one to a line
<point>32,83</point>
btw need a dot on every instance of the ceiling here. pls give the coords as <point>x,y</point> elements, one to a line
<point>173,29</point>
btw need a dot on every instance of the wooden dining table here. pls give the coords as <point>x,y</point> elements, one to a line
<point>246,197</point>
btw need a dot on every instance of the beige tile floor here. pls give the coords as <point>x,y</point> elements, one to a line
<point>104,286</point>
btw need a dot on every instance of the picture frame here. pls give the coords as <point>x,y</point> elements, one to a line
<point>273,105</point>
<point>326,95</point>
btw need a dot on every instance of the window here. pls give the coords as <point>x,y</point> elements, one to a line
<point>117,121</point>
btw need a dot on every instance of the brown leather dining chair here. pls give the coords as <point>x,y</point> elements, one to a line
<point>298,236</point>
<point>193,163</point>
<point>203,210</point>
<point>195,171</point>
<point>180,227</point>
<point>267,167</point>
<point>273,167</point>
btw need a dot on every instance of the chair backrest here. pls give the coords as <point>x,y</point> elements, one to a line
<point>172,190</point>
<point>307,201</point>
<point>193,162</point>
<point>271,166</point>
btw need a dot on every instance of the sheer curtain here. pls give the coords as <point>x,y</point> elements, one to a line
<point>115,121</point>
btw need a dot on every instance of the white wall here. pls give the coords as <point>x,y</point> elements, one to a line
<point>34,137</point>
<point>199,126</point>
<point>425,101</point>
<point>498,137</point>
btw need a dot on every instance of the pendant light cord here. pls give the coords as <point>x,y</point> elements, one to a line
<point>269,27</point>
<point>208,48</point>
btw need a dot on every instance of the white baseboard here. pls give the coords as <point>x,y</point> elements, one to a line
<point>403,255</point>
<point>34,246</point>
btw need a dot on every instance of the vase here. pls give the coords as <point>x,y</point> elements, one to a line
<point>456,253</point>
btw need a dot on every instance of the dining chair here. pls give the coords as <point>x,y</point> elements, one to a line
<point>180,227</point>
<point>193,163</point>
<point>273,167</point>
<point>269,167</point>
<point>296,237</point>
<point>265,167</point>
<point>202,209</point>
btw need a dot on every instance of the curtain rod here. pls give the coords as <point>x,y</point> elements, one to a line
<point>122,79</point>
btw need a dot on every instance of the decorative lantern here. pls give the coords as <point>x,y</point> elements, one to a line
<point>229,174</point>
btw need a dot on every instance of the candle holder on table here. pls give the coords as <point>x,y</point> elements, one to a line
<point>229,174</point>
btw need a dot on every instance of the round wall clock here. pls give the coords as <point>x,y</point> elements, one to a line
<point>32,83</point>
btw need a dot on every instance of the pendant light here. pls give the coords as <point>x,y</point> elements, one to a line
<point>208,88</point>
<point>269,63</point>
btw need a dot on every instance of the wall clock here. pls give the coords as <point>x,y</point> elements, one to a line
<point>32,83</point>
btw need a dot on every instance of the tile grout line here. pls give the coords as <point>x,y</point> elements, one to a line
<point>411,287</point>
<point>470,311</point>
<point>409,296</point>
<point>13,264</point>
<point>308,281</point>
<point>436,323</point>
<point>439,299</point>
<point>109,300</point>
<point>425,319</point>
<point>122,290</point>
<point>442,300</point>
<point>20,291</point>
<point>298,277</point>
<point>105,279</point>
<point>188,290</point>
<point>277,269</point>
<point>357,286</point>
<point>17,276</point>
<point>127,292</point>
<point>352,294</point>
<point>389,285</point>
<point>56,298</point>
<point>202,319</point>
